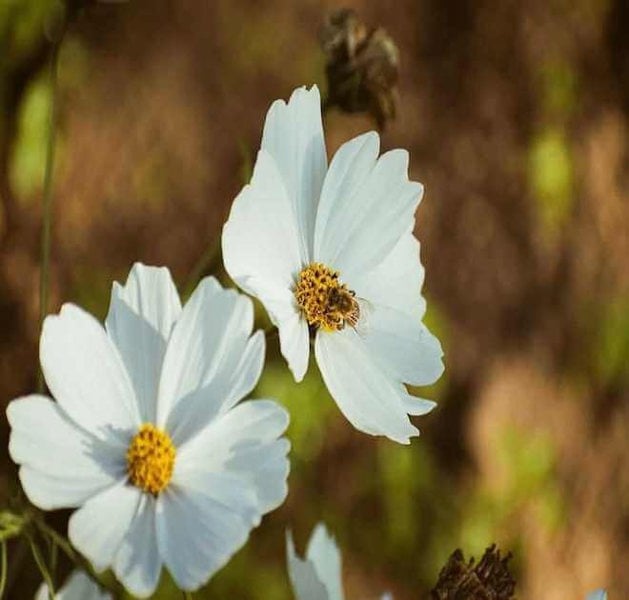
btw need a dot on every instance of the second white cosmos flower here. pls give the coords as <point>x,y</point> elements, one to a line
<point>147,437</point>
<point>331,252</point>
<point>318,576</point>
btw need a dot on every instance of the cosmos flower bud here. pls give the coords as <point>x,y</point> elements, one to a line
<point>489,579</point>
<point>361,66</point>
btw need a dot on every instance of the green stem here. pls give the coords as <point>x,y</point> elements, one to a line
<point>209,259</point>
<point>41,565</point>
<point>54,556</point>
<point>44,280</point>
<point>62,543</point>
<point>56,539</point>
<point>3,568</point>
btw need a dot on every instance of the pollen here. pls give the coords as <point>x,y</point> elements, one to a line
<point>150,459</point>
<point>324,301</point>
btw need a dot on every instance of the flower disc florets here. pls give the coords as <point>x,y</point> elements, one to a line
<point>151,459</point>
<point>324,300</point>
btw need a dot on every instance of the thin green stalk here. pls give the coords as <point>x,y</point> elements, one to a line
<point>209,259</point>
<point>54,556</point>
<point>44,280</point>
<point>56,539</point>
<point>187,595</point>
<point>64,545</point>
<point>3,567</point>
<point>41,565</point>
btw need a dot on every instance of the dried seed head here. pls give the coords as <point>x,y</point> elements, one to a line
<point>488,580</point>
<point>361,66</point>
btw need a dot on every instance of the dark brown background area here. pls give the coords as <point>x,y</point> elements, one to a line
<point>516,118</point>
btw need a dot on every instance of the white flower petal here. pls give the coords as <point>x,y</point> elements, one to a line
<point>99,526</point>
<point>62,465</point>
<point>295,344</point>
<point>243,370</point>
<point>54,492</point>
<point>416,406</point>
<point>137,563</point>
<point>141,316</point>
<point>324,554</point>
<point>262,255</point>
<point>397,281</point>
<point>228,489</point>
<point>86,375</point>
<point>78,586</point>
<point>366,224</point>
<point>243,442</point>
<point>198,530</point>
<point>293,330</point>
<point>349,169</point>
<point>366,395</point>
<point>293,136</point>
<point>266,467</point>
<point>303,576</point>
<point>260,240</point>
<point>208,344</point>
<point>403,346</point>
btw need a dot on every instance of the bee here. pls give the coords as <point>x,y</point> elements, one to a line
<point>343,305</point>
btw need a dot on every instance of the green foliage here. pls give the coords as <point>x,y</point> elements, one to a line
<point>29,156</point>
<point>559,88</point>
<point>26,20</point>
<point>91,288</point>
<point>11,525</point>
<point>406,474</point>
<point>551,175</point>
<point>611,354</point>
<point>308,403</point>
<point>527,481</point>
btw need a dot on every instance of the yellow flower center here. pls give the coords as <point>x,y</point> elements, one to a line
<point>150,459</point>
<point>324,300</point>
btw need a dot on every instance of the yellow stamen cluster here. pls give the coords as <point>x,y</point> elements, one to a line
<point>150,459</point>
<point>324,300</point>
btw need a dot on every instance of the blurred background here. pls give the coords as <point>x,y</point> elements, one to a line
<point>516,115</point>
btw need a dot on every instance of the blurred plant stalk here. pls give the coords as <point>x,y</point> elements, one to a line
<point>56,28</point>
<point>44,280</point>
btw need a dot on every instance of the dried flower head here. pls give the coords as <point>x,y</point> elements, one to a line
<point>463,580</point>
<point>361,66</point>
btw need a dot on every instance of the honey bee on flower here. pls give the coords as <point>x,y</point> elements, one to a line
<point>330,253</point>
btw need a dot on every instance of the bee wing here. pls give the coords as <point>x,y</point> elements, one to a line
<point>366,310</point>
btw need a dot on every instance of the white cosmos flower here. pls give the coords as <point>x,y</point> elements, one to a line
<point>332,250</point>
<point>318,576</point>
<point>78,587</point>
<point>147,438</point>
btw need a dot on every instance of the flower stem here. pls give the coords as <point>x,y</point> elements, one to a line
<point>44,280</point>
<point>3,568</point>
<point>209,260</point>
<point>60,542</point>
<point>41,565</point>
<point>56,539</point>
